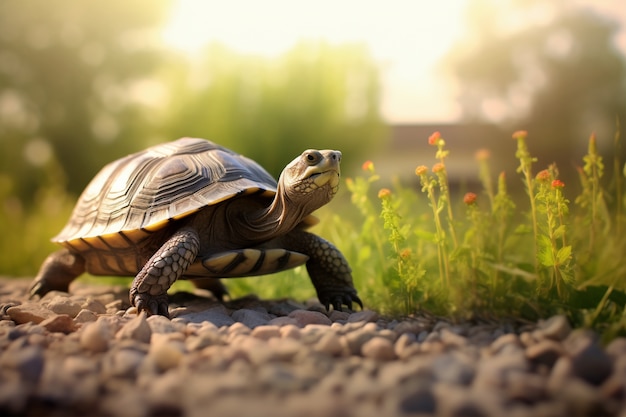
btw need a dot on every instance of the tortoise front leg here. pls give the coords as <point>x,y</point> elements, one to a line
<point>328,268</point>
<point>149,289</point>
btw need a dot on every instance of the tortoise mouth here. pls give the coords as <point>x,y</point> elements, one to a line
<point>322,178</point>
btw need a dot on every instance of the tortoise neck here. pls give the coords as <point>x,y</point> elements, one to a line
<point>278,218</point>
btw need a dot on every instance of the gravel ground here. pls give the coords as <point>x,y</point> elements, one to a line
<point>89,353</point>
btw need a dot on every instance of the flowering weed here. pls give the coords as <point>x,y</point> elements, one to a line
<point>485,255</point>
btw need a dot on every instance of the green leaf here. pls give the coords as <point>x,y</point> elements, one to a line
<point>564,254</point>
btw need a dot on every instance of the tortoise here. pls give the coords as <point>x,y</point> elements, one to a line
<point>192,209</point>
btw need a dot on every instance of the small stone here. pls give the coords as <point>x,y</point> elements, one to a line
<point>544,352</point>
<point>449,338</point>
<point>161,324</point>
<point>136,329</point>
<point>555,328</point>
<point>29,312</point>
<point>218,317</point>
<point>94,306</point>
<point>85,316</point>
<point>356,339</point>
<point>363,316</point>
<point>406,346</point>
<point>589,361</point>
<point>266,332</point>
<point>616,348</point>
<point>329,344</point>
<point>165,353</point>
<point>455,369</point>
<point>415,401</point>
<point>503,341</point>
<point>284,307</point>
<point>290,331</point>
<point>96,336</point>
<point>306,317</point>
<point>378,348</point>
<point>122,363</point>
<point>64,305</point>
<point>114,306</point>
<point>61,323</point>
<point>339,316</point>
<point>283,321</point>
<point>28,361</point>
<point>251,318</point>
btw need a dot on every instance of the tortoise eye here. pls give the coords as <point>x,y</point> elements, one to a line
<point>313,158</point>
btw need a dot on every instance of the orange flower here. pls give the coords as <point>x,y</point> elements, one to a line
<point>421,170</point>
<point>558,184</point>
<point>384,193</point>
<point>439,167</point>
<point>469,199</point>
<point>520,134</point>
<point>368,166</point>
<point>543,176</point>
<point>434,138</point>
<point>482,154</point>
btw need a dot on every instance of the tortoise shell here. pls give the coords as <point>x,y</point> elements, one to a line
<point>141,193</point>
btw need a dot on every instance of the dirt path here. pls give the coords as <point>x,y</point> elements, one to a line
<point>88,353</point>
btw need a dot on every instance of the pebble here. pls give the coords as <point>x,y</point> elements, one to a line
<point>89,353</point>
<point>306,317</point>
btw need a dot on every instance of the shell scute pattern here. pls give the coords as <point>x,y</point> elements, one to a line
<point>142,192</point>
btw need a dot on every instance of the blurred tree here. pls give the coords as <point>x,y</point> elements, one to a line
<point>313,96</point>
<point>551,68</point>
<point>70,75</point>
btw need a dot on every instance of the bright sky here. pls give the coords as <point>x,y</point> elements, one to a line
<point>406,37</point>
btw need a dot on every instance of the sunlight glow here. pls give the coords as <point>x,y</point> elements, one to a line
<point>406,37</point>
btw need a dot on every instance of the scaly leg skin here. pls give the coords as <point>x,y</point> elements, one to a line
<point>56,272</point>
<point>149,289</point>
<point>329,271</point>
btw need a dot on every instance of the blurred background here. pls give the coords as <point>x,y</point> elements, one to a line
<point>83,83</point>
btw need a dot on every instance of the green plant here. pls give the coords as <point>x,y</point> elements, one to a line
<point>499,259</point>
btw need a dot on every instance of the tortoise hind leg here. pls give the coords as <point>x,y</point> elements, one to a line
<point>214,285</point>
<point>56,272</point>
<point>149,289</point>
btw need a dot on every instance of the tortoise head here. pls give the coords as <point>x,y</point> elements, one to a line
<point>312,179</point>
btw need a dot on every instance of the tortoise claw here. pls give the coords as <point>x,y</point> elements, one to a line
<point>339,300</point>
<point>152,305</point>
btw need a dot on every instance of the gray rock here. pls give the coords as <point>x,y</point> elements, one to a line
<point>251,318</point>
<point>218,316</point>
<point>415,401</point>
<point>453,368</point>
<point>589,361</point>
<point>27,361</point>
